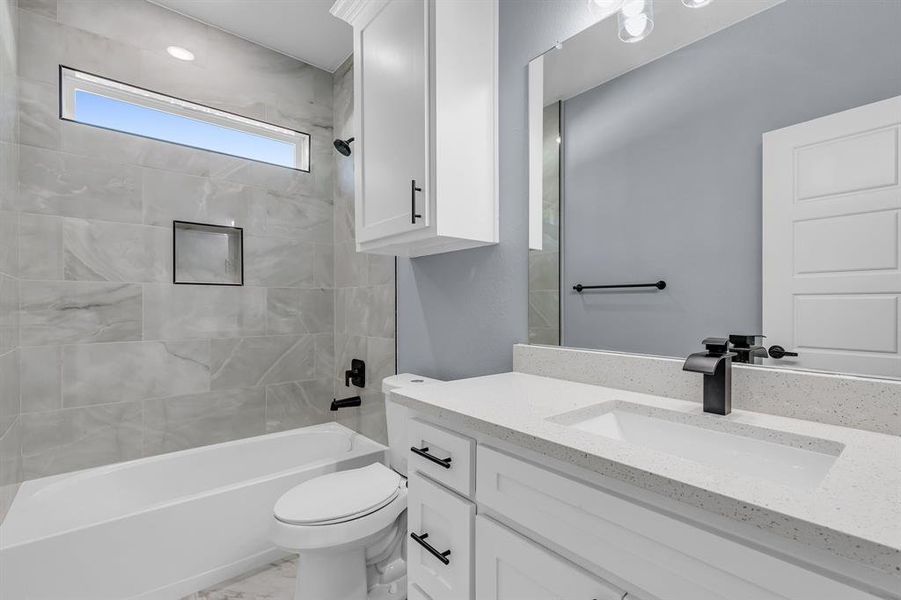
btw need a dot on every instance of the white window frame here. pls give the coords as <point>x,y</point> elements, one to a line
<point>73,80</point>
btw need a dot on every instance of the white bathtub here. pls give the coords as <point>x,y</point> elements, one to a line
<point>165,526</point>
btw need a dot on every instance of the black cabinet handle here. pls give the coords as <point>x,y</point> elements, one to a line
<point>777,351</point>
<point>442,556</point>
<point>424,452</point>
<point>413,190</point>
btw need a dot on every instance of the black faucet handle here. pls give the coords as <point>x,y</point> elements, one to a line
<point>716,345</point>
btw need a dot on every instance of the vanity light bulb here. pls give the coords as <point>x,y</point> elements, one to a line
<point>636,20</point>
<point>633,8</point>
<point>607,5</point>
<point>696,3</point>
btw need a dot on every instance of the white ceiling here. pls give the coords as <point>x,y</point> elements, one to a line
<point>302,29</point>
<point>596,55</point>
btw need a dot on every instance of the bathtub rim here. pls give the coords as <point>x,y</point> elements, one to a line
<point>366,446</point>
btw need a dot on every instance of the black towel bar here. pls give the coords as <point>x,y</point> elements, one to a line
<point>659,285</point>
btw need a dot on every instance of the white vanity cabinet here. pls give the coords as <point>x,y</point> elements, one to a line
<point>425,102</point>
<point>518,530</point>
<point>511,567</point>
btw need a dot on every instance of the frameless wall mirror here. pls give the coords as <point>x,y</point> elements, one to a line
<point>724,167</point>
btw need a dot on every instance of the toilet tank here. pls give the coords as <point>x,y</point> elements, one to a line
<point>397,416</point>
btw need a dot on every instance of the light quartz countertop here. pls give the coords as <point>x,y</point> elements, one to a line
<point>855,512</point>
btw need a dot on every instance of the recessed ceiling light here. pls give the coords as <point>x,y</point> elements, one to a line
<point>695,3</point>
<point>180,53</point>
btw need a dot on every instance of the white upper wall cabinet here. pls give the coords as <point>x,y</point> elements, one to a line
<point>425,116</point>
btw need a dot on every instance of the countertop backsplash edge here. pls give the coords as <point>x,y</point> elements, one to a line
<point>835,399</point>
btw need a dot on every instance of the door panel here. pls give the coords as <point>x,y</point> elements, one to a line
<point>832,240</point>
<point>393,140</point>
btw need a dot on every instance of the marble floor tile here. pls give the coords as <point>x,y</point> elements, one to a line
<point>273,582</point>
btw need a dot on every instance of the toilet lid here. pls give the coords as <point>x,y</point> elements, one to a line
<point>339,497</point>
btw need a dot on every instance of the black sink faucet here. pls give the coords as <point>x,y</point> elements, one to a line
<point>716,365</point>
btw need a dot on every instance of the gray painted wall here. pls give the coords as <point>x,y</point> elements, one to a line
<point>459,314</point>
<point>663,168</point>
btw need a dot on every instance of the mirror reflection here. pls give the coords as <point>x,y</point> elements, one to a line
<point>744,153</point>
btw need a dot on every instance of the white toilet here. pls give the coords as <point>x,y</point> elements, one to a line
<point>344,522</point>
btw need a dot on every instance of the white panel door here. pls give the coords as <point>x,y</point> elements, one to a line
<point>832,240</point>
<point>392,84</point>
<point>511,567</point>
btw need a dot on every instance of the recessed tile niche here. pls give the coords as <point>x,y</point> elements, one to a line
<point>207,254</point>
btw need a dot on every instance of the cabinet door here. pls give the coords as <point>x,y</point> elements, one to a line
<point>440,561</point>
<point>392,87</point>
<point>511,567</point>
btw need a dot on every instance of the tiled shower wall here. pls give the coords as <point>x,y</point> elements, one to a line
<point>364,288</point>
<point>116,362</point>
<point>10,426</point>
<point>544,264</point>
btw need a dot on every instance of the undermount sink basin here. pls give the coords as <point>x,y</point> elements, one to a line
<point>776,456</point>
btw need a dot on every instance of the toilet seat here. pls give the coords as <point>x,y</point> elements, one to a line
<point>339,497</point>
<point>359,517</point>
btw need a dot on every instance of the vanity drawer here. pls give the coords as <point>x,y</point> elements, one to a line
<point>664,556</point>
<point>440,561</point>
<point>443,455</point>
<point>511,567</point>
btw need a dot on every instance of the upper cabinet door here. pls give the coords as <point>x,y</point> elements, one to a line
<point>392,55</point>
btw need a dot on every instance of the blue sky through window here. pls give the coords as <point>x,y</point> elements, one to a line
<point>123,116</point>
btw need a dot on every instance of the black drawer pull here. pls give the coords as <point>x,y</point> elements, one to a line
<point>424,452</point>
<point>442,556</point>
<point>413,189</point>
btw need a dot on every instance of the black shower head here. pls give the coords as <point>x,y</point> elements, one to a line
<point>343,146</point>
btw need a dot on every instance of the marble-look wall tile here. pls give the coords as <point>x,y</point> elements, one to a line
<point>299,217</point>
<point>38,114</point>
<point>71,185</point>
<point>139,24</point>
<point>253,361</point>
<point>283,262</point>
<point>170,196</point>
<point>40,47</point>
<point>291,310</point>
<point>298,404</point>
<point>40,378</point>
<point>107,373</point>
<point>9,386</point>
<point>79,312</point>
<point>9,163</point>
<point>324,349</point>
<point>45,8</point>
<point>351,267</point>
<point>9,239</point>
<point>78,438</point>
<point>369,311</point>
<point>173,312</point>
<point>102,251</point>
<point>172,424</point>
<point>9,313</point>
<point>40,247</point>
<point>10,464</point>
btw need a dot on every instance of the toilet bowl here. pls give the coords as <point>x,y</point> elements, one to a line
<point>349,528</point>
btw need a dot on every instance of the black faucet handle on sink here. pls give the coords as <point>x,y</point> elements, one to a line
<point>715,345</point>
